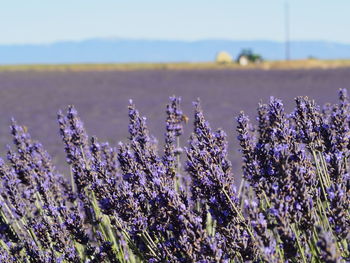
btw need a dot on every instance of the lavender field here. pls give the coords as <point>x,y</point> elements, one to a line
<point>101,98</point>
<point>134,204</point>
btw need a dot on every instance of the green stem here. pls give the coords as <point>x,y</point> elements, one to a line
<point>240,216</point>
<point>301,250</point>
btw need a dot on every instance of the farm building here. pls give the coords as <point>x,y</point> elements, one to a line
<point>243,60</point>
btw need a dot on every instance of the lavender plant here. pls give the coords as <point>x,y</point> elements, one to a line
<point>138,202</point>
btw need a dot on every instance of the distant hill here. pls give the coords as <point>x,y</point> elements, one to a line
<point>123,50</point>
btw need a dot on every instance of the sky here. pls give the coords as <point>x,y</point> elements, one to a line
<point>47,21</point>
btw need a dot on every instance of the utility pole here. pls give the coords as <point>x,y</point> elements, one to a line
<point>286,24</point>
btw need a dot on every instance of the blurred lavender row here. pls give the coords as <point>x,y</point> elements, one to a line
<point>33,98</point>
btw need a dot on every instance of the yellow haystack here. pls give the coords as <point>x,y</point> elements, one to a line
<point>223,57</point>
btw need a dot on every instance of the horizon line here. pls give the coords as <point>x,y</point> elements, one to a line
<point>165,40</point>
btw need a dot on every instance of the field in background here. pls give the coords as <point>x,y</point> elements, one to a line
<point>267,65</point>
<point>101,97</point>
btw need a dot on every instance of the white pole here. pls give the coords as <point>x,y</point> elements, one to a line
<point>286,23</point>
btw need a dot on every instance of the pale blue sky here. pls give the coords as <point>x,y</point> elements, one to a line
<point>43,21</point>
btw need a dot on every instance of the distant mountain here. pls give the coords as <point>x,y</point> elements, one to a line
<point>123,50</point>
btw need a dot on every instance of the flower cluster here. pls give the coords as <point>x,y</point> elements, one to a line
<point>297,167</point>
<point>137,203</point>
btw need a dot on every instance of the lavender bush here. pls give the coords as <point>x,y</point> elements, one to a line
<point>138,203</point>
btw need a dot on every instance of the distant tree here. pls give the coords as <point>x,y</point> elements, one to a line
<point>248,56</point>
